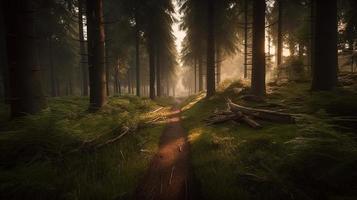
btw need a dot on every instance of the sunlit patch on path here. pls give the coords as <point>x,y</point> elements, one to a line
<point>169,174</point>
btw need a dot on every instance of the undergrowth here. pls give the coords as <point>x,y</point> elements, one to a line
<point>35,151</point>
<point>312,159</point>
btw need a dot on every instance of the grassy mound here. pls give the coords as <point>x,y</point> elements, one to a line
<point>35,161</point>
<point>312,159</point>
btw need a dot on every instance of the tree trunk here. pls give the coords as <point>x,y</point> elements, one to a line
<point>107,68</point>
<point>132,77</point>
<point>301,51</point>
<point>325,62</point>
<point>116,86</point>
<point>152,70</point>
<point>129,80</point>
<point>70,85</point>
<point>52,68</point>
<point>4,66</point>
<point>96,54</point>
<point>280,35</point>
<point>158,72</point>
<point>245,39</point>
<point>25,78</point>
<point>137,58</point>
<point>291,45</point>
<point>200,73</point>
<point>195,68</point>
<point>58,86</point>
<point>258,68</point>
<point>167,87</point>
<point>218,64</point>
<point>82,49</point>
<point>312,38</point>
<point>211,88</point>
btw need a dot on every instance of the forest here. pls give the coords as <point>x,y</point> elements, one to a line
<point>178,99</point>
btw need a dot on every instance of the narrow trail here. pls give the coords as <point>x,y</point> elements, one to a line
<point>169,175</point>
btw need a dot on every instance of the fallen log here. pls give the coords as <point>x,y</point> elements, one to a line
<point>261,113</point>
<point>157,110</point>
<point>223,112</point>
<point>251,122</point>
<point>222,118</point>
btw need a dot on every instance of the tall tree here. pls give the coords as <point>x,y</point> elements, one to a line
<point>137,55</point>
<point>82,48</point>
<point>280,34</point>
<point>211,88</point>
<point>96,54</point>
<point>246,23</point>
<point>158,72</point>
<point>325,47</point>
<point>25,78</point>
<point>151,50</point>
<point>160,40</point>
<point>4,70</point>
<point>258,67</point>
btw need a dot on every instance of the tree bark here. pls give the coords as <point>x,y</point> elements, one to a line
<point>4,66</point>
<point>218,64</point>
<point>200,73</point>
<point>82,49</point>
<point>152,70</point>
<point>128,75</point>
<point>52,69</point>
<point>246,39</point>
<point>280,34</point>
<point>107,66</point>
<point>158,72</point>
<point>137,58</point>
<point>195,73</point>
<point>25,78</point>
<point>96,54</point>
<point>325,39</point>
<point>312,38</point>
<point>211,88</point>
<point>258,67</point>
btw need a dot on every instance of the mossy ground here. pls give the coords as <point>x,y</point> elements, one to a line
<point>34,163</point>
<point>315,158</point>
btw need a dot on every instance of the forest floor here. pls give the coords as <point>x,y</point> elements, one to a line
<point>315,158</point>
<point>169,176</point>
<point>171,153</point>
<point>59,153</point>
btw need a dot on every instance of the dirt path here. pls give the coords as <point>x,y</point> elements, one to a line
<point>169,176</point>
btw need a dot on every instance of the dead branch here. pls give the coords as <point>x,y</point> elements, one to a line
<point>261,113</point>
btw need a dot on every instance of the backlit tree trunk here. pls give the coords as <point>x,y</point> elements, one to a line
<point>258,68</point>
<point>152,71</point>
<point>325,45</point>
<point>195,68</point>
<point>158,72</point>
<point>137,58</point>
<point>25,78</point>
<point>280,34</point>
<point>82,49</point>
<point>218,64</point>
<point>96,54</point>
<point>246,38</point>
<point>200,73</point>
<point>211,88</point>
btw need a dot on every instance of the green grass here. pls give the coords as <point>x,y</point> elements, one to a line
<point>35,162</point>
<point>311,159</point>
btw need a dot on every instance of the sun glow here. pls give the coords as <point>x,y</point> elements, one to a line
<point>179,36</point>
